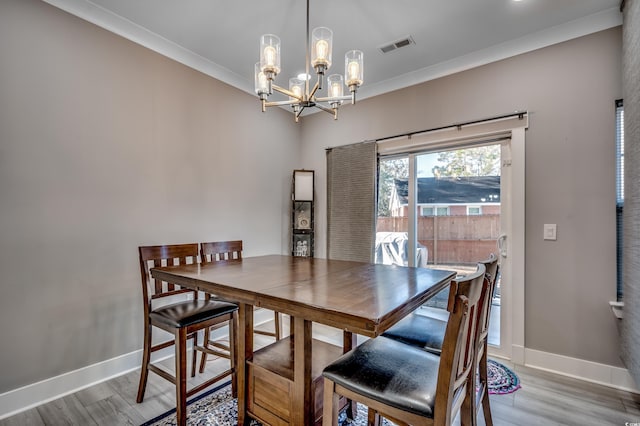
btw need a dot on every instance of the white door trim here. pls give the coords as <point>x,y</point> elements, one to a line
<point>512,318</point>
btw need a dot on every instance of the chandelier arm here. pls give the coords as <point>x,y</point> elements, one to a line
<point>325,109</point>
<point>334,98</point>
<point>287,92</point>
<point>280,103</point>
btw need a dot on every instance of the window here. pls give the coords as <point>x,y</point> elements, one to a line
<point>474,210</point>
<point>434,211</point>
<point>619,192</point>
<point>442,211</point>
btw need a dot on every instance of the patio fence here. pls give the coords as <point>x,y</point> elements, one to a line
<point>451,240</point>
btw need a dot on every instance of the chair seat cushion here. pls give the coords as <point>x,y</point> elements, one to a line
<point>183,314</point>
<point>391,372</point>
<point>421,331</point>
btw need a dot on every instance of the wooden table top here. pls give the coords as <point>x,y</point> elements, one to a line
<point>358,297</point>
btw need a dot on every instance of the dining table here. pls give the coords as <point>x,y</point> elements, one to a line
<point>281,383</point>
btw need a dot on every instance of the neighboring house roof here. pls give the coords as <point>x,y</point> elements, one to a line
<point>450,190</point>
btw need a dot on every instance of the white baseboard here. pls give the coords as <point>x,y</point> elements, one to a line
<point>517,354</point>
<point>26,397</point>
<point>47,390</point>
<point>602,374</point>
<point>29,396</point>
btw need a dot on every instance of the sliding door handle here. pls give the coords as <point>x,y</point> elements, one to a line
<point>502,245</point>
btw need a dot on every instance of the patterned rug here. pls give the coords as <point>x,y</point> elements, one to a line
<point>501,380</point>
<point>216,407</point>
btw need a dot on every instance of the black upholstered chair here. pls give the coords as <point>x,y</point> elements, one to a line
<point>183,319</point>
<point>406,384</point>
<point>428,333</point>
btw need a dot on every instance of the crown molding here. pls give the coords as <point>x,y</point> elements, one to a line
<point>116,24</point>
<point>578,28</point>
<point>129,30</point>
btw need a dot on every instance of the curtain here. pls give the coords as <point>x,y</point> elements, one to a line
<point>351,201</point>
<point>631,213</point>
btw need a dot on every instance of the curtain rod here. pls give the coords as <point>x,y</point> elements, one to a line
<point>520,115</point>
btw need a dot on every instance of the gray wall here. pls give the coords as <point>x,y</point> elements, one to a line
<point>104,146</point>
<point>631,77</point>
<point>569,90</point>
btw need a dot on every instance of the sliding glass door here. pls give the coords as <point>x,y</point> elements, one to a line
<point>442,209</point>
<point>392,226</point>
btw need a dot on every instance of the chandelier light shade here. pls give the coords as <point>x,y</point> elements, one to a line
<point>321,44</point>
<point>261,82</point>
<point>336,83</point>
<point>270,54</point>
<point>297,88</point>
<point>319,48</point>
<point>353,68</point>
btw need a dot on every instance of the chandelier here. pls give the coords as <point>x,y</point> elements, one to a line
<point>300,95</point>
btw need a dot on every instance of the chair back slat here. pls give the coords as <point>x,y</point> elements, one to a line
<point>456,360</point>
<point>157,284</point>
<point>164,255</point>
<point>221,251</point>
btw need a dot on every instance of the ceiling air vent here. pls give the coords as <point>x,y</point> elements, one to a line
<point>406,41</point>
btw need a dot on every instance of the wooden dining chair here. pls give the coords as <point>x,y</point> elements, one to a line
<point>225,251</point>
<point>427,333</point>
<point>481,398</point>
<point>183,319</point>
<point>406,384</point>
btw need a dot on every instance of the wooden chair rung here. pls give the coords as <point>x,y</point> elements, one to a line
<point>219,345</point>
<point>209,382</point>
<point>162,373</point>
<point>213,352</point>
<point>264,333</point>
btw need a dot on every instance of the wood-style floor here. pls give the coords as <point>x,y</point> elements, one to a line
<point>544,399</point>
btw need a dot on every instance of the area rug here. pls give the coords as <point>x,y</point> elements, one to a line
<point>501,379</point>
<point>216,407</point>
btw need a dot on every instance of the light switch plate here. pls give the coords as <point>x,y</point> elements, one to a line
<point>550,231</point>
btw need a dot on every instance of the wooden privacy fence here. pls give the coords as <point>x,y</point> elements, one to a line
<point>451,240</point>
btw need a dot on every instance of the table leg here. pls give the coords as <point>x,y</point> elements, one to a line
<point>349,341</point>
<point>245,352</point>
<point>303,410</point>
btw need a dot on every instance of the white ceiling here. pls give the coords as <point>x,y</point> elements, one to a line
<point>221,37</point>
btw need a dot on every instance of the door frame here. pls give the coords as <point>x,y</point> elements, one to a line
<point>510,130</point>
